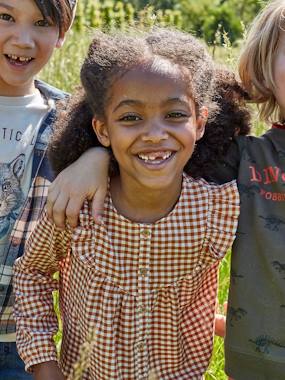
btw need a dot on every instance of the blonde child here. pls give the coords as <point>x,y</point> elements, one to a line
<point>143,282</point>
<point>255,333</point>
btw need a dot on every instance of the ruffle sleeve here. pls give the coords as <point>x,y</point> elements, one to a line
<point>222,221</point>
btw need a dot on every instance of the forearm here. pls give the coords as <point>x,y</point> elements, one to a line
<point>35,318</point>
<point>47,371</point>
<point>33,285</point>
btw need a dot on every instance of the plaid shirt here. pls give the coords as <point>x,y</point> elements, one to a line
<point>146,292</point>
<point>33,205</point>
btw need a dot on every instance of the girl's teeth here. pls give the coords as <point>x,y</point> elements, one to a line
<point>155,156</point>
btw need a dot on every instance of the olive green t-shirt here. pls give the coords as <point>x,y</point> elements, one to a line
<point>255,335</point>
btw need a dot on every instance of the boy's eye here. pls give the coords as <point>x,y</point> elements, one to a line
<point>43,23</point>
<point>176,115</point>
<point>130,117</point>
<point>5,17</point>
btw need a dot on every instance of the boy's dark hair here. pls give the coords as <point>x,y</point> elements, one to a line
<point>59,11</point>
<point>111,56</point>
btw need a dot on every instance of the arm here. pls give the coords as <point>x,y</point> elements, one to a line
<point>47,371</point>
<point>33,282</point>
<point>85,178</point>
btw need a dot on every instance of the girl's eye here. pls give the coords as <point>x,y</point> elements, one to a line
<point>43,23</point>
<point>5,17</point>
<point>176,115</point>
<point>130,117</point>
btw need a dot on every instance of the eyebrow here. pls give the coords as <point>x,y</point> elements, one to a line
<point>178,100</point>
<point>7,6</point>
<point>128,102</point>
<point>132,102</point>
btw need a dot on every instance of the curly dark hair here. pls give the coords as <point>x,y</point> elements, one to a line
<point>110,56</point>
<point>233,119</point>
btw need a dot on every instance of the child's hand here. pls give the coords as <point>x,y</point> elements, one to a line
<point>86,178</point>
<point>48,371</point>
<point>220,323</point>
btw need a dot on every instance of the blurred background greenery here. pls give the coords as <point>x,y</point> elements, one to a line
<point>222,24</point>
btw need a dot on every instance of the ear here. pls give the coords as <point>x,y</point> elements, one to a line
<point>201,122</point>
<point>100,129</point>
<point>60,41</point>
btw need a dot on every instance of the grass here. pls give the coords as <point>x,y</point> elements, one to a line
<point>63,69</point>
<point>63,72</point>
<point>216,368</point>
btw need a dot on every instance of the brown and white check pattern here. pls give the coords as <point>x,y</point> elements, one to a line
<point>146,291</point>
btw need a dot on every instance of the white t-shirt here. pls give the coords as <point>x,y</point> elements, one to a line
<point>20,120</point>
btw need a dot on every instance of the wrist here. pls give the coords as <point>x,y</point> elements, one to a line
<point>47,371</point>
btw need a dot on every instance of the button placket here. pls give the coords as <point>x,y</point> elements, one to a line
<point>143,300</point>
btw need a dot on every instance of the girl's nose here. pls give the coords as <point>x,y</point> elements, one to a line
<point>155,132</point>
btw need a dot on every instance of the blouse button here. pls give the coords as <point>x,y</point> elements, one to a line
<point>143,272</point>
<point>145,233</point>
<point>141,346</point>
<point>142,309</point>
<point>198,267</point>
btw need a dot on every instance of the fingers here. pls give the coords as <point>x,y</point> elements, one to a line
<point>57,209</point>
<point>53,193</point>
<point>73,209</point>
<point>98,204</point>
<point>63,207</point>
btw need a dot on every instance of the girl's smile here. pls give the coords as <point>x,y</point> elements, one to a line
<point>156,158</point>
<point>152,127</point>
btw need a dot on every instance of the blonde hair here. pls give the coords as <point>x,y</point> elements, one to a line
<point>257,58</point>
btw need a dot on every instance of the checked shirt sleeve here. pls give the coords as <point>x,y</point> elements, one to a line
<point>223,213</point>
<point>33,283</point>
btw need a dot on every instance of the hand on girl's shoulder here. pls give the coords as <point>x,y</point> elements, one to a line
<point>86,178</point>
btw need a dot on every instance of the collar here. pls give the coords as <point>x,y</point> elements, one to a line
<point>50,92</point>
<point>278,126</point>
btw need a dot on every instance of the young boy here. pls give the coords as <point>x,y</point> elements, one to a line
<point>30,30</point>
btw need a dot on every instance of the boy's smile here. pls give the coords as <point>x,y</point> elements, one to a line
<point>27,41</point>
<point>152,127</point>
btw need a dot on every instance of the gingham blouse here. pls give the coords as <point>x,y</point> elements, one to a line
<point>146,292</point>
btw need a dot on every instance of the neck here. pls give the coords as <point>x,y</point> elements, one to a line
<point>13,91</point>
<point>144,205</point>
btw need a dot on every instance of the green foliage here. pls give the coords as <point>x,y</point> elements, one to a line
<point>63,69</point>
<point>110,14</point>
<point>223,19</point>
<point>203,17</point>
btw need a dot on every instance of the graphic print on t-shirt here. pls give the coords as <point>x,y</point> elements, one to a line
<point>11,194</point>
<point>21,118</point>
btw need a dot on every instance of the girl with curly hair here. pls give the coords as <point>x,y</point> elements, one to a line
<point>143,282</point>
